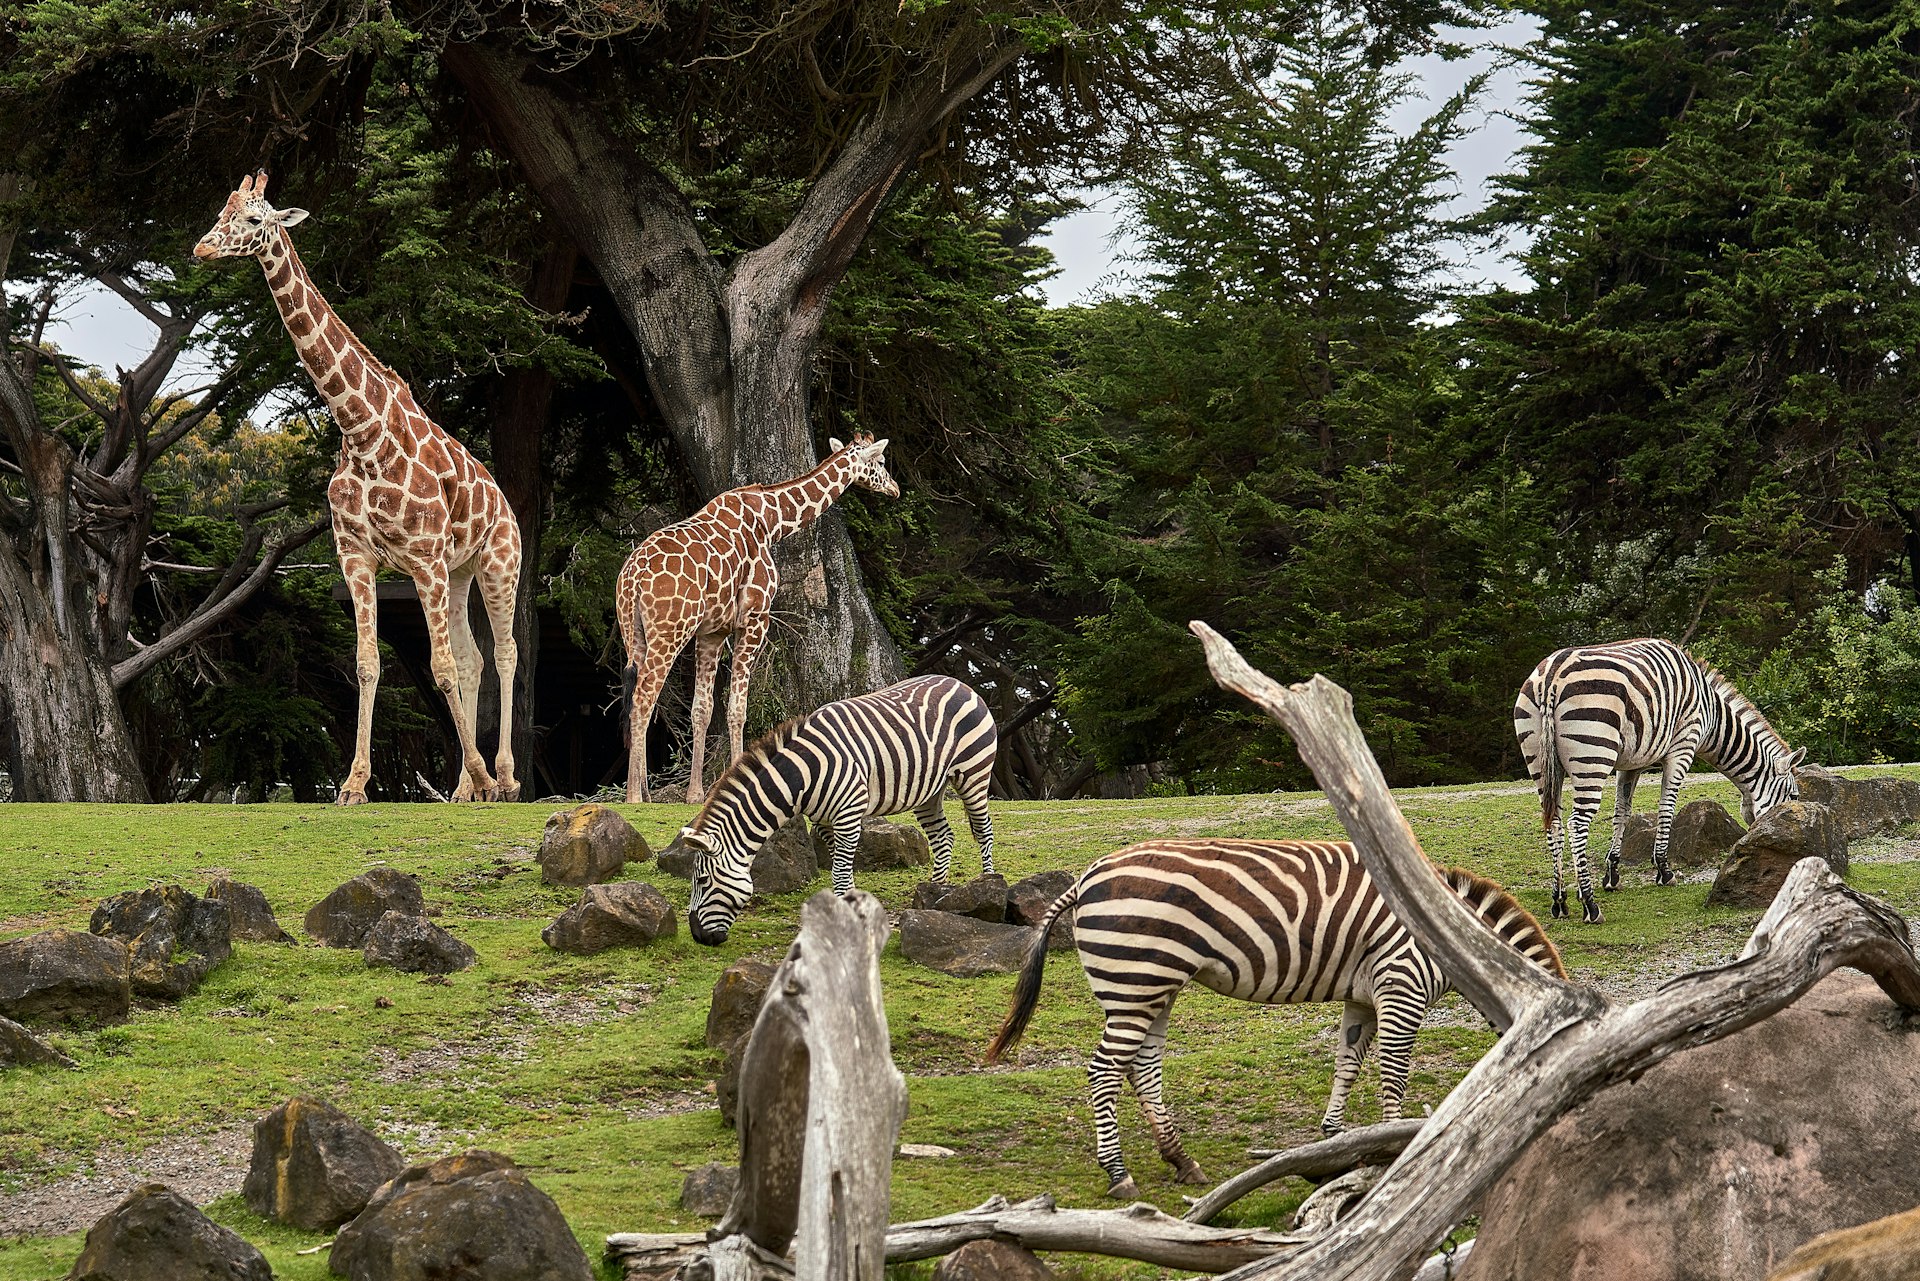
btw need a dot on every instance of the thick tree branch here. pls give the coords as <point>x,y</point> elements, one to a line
<point>1363,1145</point>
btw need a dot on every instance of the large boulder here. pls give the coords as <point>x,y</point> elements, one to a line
<point>587,845</point>
<point>786,862</point>
<point>708,1189</point>
<point>21,1048</point>
<point>1884,1250</point>
<point>1762,858</point>
<point>992,1261</point>
<point>248,913</point>
<point>314,1166</point>
<point>65,976</point>
<point>416,945</point>
<point>1701,835</point>
<point>158,1235</point>
<point>174,938</point>
<point>963,946</point>
<point>737,997</point>
<point>1716,1163</point>
<point>346,916</point>
<point>1029,899</point>
<point>470,1217</point>
<point>984,898</point>
<point>1862,806</point>
<point>1817,784</point>
<point>883,846</point>
<point>624,914</point>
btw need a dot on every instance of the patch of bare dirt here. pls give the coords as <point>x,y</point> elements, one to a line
<point>200,1168</point>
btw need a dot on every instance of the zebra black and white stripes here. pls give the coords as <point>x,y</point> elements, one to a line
<point>1275,922</point>
<point>880,753</point>
<point>1590,711</point>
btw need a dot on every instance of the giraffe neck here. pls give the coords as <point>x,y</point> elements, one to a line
<point>322,340</point>
<point>797,503</point>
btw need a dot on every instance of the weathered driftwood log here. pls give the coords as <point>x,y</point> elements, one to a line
<point>1362,1145</point>
<point>1562,1043</point>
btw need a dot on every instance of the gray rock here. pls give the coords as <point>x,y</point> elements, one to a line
<point>248,912</point>
<point>984,898</point>
<point>416,945</point>
<point>1714,1164</point>
<point>314,1166</point>
<point>21,1048</point>
<point>470,1217</point>
<point>991,1260</point>
<point>963,946</point>
<point>1817,784</point>
<point>883,846</point>
<point>708,1189</point>
<point>738,995</point>
<point>1029,899</point>
<point>344,917</point>
<point>1702,834</point>
<point>624,914</point>
<point>587,845</point>
<point>676,860</point>
<point>174,938</point>
<point>1636,847</point>
<point>1862,806</point>
<point>1761,860</point>
<point>65,976</point>
<point>785,863</point>
<point>158,1235</point>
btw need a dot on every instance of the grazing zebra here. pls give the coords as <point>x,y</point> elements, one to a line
<point>1592,710</point>
<point>880,753</point>
<point>1275,922</point>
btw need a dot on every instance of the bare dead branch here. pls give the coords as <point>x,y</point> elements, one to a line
<point>1363,1145</point>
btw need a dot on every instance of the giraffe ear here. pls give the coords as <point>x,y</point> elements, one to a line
<point>833,445</point>
<point>288,217</point>
<point>880,446</point>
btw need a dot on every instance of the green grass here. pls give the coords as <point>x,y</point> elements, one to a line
<point>592,1072</point>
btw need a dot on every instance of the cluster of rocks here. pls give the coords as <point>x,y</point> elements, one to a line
<point>473,1214</point>
<point>383,913</point>
<point>983,926</point>
<point>589,845</point>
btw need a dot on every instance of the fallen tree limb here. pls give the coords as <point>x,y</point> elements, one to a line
<point>1563,1044</point>
<point>1363,1145</point>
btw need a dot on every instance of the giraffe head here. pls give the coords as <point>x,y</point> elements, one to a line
<point>247,223</point>
<point>869,463</point>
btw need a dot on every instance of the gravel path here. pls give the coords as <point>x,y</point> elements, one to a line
<point>201,1169</point>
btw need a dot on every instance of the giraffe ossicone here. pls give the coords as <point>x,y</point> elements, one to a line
<point>712,576</point>
<point>405,495</point>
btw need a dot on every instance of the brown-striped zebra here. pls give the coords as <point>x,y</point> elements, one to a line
<point>893,750</point>
<point>1275,922</point>
<point>1594,710</point>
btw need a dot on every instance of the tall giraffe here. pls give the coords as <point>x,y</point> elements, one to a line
<point>712,576</point>
<point>405,495</point>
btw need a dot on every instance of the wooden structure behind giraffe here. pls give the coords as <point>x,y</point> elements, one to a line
<point>712,576</point>
<point>405,495</point>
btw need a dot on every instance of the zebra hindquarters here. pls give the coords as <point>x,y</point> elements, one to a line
<point>1400,1010</point>
<point>1357,1024</point>
<point>1137,1004</point>
<point>972,784</point>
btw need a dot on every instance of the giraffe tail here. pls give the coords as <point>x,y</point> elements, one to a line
<point>1026,993</point>
<point>630,676</point>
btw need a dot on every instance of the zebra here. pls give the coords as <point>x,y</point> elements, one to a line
<point>1591,710</point>
<point>880,753</point>
<point>1273,922</point>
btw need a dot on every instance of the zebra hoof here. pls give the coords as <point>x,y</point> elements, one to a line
<point>1663,877</point>
<point>1188,1171</point>
<point>1560,906</point>
<point>1331,1128</point>
<point>1590,913</point>
<point>1124,1189</point>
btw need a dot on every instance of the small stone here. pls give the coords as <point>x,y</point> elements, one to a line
<point>623,914</point>
<point>382,1002</point>
<point>930,1150</point>
<point>65,976</point>
<point>963,946</point>
<point>984,898</point>
<point>785,863</point>
<point>992,1261</point>
<point>1761,860</point>
<point>314,1166</point>
<point>708,1189</point>
<point>158,1235</point>
<point>174,938</point>
<point>676,860</point>
<point>248,912</point>
<point>344,917</point>
<point>470,1217</point>
<point>21,1048</point>
<point>416,945</point>
<point>883,845</point>
<point>587,845</point>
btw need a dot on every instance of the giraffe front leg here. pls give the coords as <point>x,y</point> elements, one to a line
<point>467,665</point>
<point>499,587</point>
<point>359,571</point>
<point>746,651</point>
<point>706,664</point>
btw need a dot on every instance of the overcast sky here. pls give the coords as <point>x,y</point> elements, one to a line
<point>1090,246</point>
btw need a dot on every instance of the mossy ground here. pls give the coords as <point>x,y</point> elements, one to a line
<point>592,1072</point>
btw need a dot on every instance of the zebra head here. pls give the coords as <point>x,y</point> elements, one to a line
<point>721,887</point>
<point>869,463</point>
<point>1776,785</point>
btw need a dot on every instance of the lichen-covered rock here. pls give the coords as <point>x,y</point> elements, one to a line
<point>963,946</point>
<point>174,938</point>
<point>65,976</point>
<point>1762,858</point>
<point>344,917</point>
<point>1862,806</point>
<point>708,1189</point>
<point>737,997</point>
<point>158,1235</point>
<point>314,1166</point>
<point>21,1048</point>
<point>249,914</point>
<point>991,1260</point>
<point>984,898</point>
<point>1029,899</point>
<point>416,945</point>
<point>786,862</point>
<point>1702,834</point>
<point>883,845</point>
<point>623,914</point>
<point>1884,1250</point>
<point>588,845</point>
<point>470,1217</point>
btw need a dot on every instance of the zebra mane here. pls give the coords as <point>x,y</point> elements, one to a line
<point>1739,705</point>
<point>751,757</point>
<point>1518,928</point>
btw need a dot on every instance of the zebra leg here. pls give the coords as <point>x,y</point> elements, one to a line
<point>1147,1087</point>
<point>1586,804</point>
<point>1623,785</point>
<point>1126,1030</point>
<point>845,830</point>
<point>1671,776</point>
<point>1356,1034</point>
<point>932,816</point>
<point>1557,844</point>
<point>973,796</point>
<point>1400,1014</point>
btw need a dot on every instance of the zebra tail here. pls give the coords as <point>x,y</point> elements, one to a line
<point>1026,993</point>
<point>1551,776</point>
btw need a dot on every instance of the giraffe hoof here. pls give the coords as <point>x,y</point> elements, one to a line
<point>1124,1189</point>
<point>356,796</point>
<point>1188,1171</point>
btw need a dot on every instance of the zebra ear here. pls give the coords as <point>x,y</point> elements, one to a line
<point>693,841</point>
<point>1799,754</point>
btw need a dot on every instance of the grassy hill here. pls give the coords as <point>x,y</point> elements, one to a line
<point>593,1073</point>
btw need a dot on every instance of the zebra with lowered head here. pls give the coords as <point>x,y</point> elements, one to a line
<point>1274,922</point>
<point>1594,710</point>
<point>893,750</point>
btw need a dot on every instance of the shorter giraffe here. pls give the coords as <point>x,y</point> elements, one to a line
<point>712,576</point>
